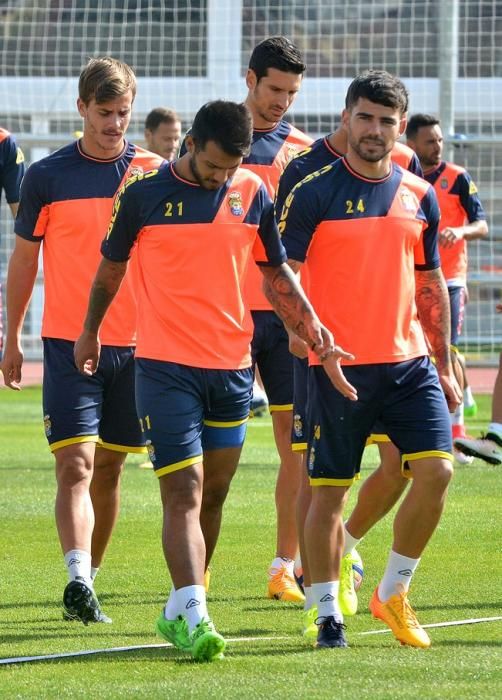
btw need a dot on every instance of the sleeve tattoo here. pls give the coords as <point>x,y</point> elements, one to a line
<point>434,312</point>
<point>288,299</point>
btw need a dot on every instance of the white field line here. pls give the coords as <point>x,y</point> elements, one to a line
<point>114,650</point>
<point>451,623</point>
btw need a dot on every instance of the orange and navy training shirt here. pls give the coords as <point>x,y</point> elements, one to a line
<point>66,202</point>
<point>11,166</point>
<point>271,151</point>
<point>459,203</point>
<point>193,247</point>
<point>364,239</point>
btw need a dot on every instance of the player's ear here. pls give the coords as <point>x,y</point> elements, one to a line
<point>403,124</point>
<point>345,118</point>
<point>251,79</point>
<point>189,143</point>
<point>81,107</point>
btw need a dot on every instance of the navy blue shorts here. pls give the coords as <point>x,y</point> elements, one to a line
<point>100,408</point>
<point>185,411</point>
<point>405,397</point>
<point>457,309</point>
<point>270,351</point>
<point>299,434</point>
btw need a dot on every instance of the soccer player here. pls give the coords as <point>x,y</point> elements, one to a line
<point>273,80</point>
<point>90,423</point>
<point>384,486</point>
<point>488,446</point>
<point>462,220</point>
<point>196,223</point>
<point>369,230</point>
<point>11,174</point>
<point>163,132</point>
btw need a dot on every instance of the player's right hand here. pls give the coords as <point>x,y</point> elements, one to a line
<point>333,369</point>
<point>11,366</point>
<point>452,391</point>
<point>86,353</point>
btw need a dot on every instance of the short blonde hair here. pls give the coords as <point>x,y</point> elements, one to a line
<point>104,79</point>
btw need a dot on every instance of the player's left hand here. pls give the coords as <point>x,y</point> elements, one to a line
<point>449,236</point>
<point>86,353</point>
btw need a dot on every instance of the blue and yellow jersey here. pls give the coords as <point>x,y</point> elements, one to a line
<point>11,166</point>
<point>193,247</point>
<point>271,151</point>
<point>459,204</point>
<point>364,239</point>
<point>66,202</point>
<point>321,153</point>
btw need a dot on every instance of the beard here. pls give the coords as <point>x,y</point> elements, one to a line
<point>205,183</point>
<point>380,148</point>
<point>431,162</point>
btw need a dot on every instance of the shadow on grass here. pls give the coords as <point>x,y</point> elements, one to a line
<point>139,598</point>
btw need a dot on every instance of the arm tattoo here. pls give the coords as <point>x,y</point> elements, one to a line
<point>106,284</point>
<point>434,312</point>
<point>288,299</point>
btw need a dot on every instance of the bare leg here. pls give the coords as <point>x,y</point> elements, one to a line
<point>302,509</point>
<point>182,538</point>
<point>324,534</point>
<point>379,493</point>
<point>105,496</point>
<point>497,396</point>
<point>219,469</point>
<point>287,486</point>
<point>73,509</point>
<point>421,509</point>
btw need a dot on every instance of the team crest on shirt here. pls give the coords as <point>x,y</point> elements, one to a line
<point>291,151</point>
<point>408,199</point>
<point>135,171</point>
<point>235,203</point>
<point>151,451</point>
<point>47,425</point>
<point>298,425</point>
<point>444,183</point>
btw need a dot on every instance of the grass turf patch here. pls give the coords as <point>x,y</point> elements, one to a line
<point>459,578</point>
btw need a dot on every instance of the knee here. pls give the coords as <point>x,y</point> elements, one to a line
<point>445,473</point>
<point>435,477</point>
<point>329,500</point>
<point>107,475</point>
<point>215,493</point>
<point>73,469</point>
<point>182,498</point>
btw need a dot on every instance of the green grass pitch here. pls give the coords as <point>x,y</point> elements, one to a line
<point>459,578</point>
